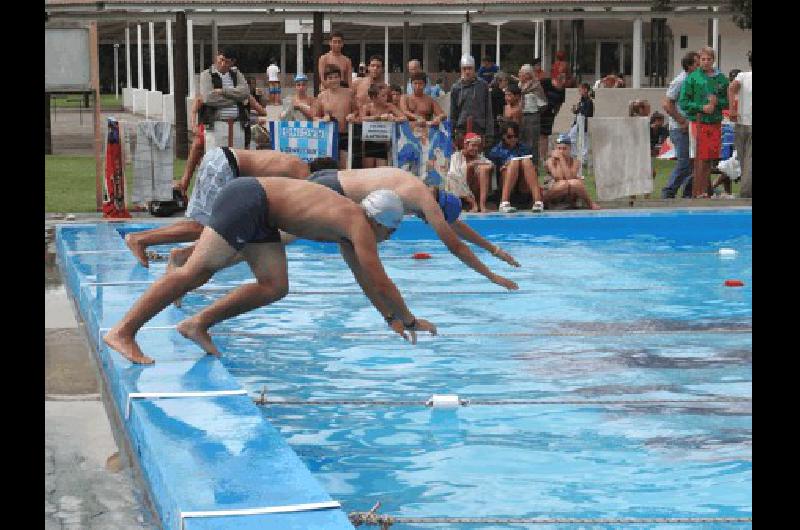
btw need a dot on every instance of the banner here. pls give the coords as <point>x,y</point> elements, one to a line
<point>424,150</point>
<point>305,139</point>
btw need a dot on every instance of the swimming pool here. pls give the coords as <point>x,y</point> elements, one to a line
<point>613,309</point>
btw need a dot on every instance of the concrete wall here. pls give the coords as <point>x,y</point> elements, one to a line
<point>734,42</point>
<point>608,103</point>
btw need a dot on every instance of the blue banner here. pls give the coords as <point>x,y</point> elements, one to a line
<point>305,139</point>
<point>424,150</point>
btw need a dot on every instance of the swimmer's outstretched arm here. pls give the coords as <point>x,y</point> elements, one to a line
<point>460,249</point>
<point>466,232</point>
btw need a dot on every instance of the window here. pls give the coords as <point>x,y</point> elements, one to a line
<point>684,42</point>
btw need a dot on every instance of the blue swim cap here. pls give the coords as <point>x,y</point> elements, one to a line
<point>450,205</point>
<point>563,138</point>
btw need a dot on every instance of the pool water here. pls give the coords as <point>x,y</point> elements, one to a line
<point>601,315</point>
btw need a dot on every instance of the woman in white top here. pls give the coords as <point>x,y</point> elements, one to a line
<point>469,172</point>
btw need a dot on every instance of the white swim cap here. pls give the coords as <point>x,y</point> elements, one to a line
<point>467,60</point>
<point>384,207</point>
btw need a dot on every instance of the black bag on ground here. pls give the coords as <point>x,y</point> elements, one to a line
<point>167,208</point>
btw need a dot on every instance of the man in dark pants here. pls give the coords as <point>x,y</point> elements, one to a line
<point>679,133</point>
<point>470,99</point>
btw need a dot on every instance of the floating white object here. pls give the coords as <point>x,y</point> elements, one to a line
<point>727,252</point>
<point>444,401</point>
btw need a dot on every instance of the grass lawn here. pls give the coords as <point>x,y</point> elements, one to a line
<point>69,182</point>
<point>74,101</point>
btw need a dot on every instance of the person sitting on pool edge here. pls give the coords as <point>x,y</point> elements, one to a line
<point>565,186</point>
<point>436,207</point>
<point>218,167</point>
<point>246,218</point>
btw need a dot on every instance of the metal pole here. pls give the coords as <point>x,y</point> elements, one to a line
<point>537,39</point>
<point>405,54</point>
<point>152,56</point>
<point>116,70</point>
<point>300,65</point>
<point>214,39</point>
<point>386,54</point>
<point>189,60</point>
<point>98,147</point>
<point>140,65</point>
<point>128,77</point>
<point>317,49</point>
<point>170,59</point>
<point>181,86</point>
<point>497,47</point>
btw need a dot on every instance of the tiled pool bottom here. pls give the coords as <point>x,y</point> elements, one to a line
<point>629,314</point>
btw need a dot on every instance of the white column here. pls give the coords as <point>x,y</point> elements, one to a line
<point>116,70</point>
<point>170,63</point>
<point>545,49</point>
<point>300,55</point>
<point>283,57</point>
<point>214,38</point>
<point>363,52</point>
<point>140,66</point>
<point>466,44</point>
<point>190,57</point>
<point>152,56</point>
<point>386,54</point>
<point>497,47</point>
<point>637,53</point>
<point>128,78</point>
<point>715,36</point>
<point>558,34</point>
<point>537,39</point>
<point>597,72</point>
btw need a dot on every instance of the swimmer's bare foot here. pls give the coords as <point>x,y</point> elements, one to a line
<point>126,346</point>
<point>193,331</point>
<point>138,250</point>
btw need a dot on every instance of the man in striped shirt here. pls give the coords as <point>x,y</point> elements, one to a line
<point>225,93</point>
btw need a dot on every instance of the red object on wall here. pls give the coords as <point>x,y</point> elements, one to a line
<point>734,283</point>
<point>421,255</point>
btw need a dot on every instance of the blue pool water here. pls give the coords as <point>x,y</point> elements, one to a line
<point>606,311</point>
<point>622,307</point>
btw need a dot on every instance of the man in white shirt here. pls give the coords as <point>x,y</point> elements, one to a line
<point>740,96</point>
<point>274,97</point>
<point>225,93</point>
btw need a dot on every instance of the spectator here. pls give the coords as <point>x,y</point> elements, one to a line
<point>225,93</point>
<point>612,80</point>
<point>555,98</point>
<point>374,75</point>
<point>437,89</point>
<point>512,110</point>
<point>510,158</point>
<point>302,103</point>
<point>533,100</point>
<point>470,99</point>
<point>362,71</point>
<point>658,133</point>
<point>679,132</point>
<point>740,93</point>
<point>584,107</point>
<point>274,82</point>
<point>497,93</point>
<point>336,103</point>
<point>560,70</point>
<point>639,108</point>
<point>415,67</point>
<point>487,70</point>
<point>704,95</point>
<point>376,154</point>
<point>470,170</point>
<point>564,187</point>
<point>395,93</point>
<point>417,106</point>
<point>334,56</point>
<point>538,72</point>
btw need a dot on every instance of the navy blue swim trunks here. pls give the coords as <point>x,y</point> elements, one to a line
<point>328,178</point>
<point>239,214</point>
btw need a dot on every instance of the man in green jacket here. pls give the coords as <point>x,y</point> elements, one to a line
<point>704,95</point>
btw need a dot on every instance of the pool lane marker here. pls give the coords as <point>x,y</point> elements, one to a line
<point>158,395</point>
<point>290,508</point>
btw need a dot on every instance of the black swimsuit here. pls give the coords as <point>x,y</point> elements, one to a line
<point>328,178</point>
<point>239,214</point>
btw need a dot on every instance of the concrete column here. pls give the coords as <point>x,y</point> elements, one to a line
<point>466,43</point>
<point>283,57</point>
<point>497,47</point>
<point>151,29</point>
<point>558,35</point>
<point>170,60</point>
<point>214,38</point>
<point>405,54</point>
<point>545,49</point>
<point>300,53</point>
<point>715,37</point>
<point>128,78</point>
<point>140,65</point>
<point>316,49</point>
<point>537,40</point>
<point>637,53</point>
<point>597,72</point>
<point>189,59</point>
<point>386,54</point>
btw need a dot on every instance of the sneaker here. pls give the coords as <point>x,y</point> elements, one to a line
<point>505,207</point>
<point>537,207</point>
